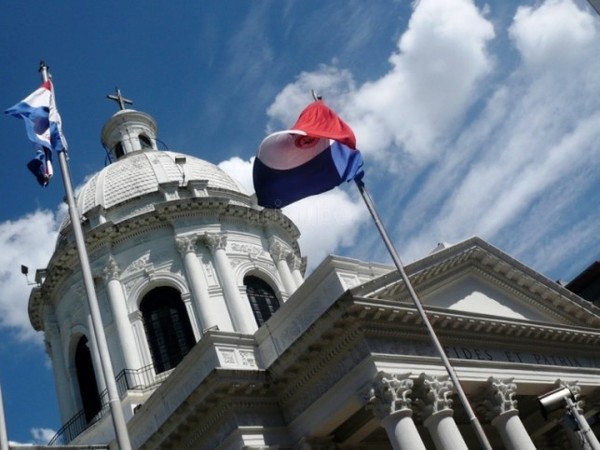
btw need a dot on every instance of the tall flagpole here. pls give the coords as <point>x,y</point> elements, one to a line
<point>98,329</point>
<point>3,432</point>
<point>396,258</point>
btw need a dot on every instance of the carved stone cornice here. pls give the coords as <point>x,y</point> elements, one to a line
<point>390,393</point>
<point>497,398</point>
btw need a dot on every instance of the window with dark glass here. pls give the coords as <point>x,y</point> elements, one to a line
<point>167,326</point>
<point>86,377</point>
<point>119,152</point>
<point>262,298</point>
<point>145,141</point>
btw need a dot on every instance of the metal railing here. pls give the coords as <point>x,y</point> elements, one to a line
<point>127,380</point>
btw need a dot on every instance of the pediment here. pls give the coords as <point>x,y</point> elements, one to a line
<point>478,279</point>
<point>475,295</point>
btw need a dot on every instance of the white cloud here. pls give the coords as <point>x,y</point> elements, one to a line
<point>40,436</point>
<point>28,241</point>
<point>240,171</point>
<point>554,32</point>
<point>328,222</point>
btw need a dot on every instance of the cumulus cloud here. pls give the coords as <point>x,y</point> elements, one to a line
<point>475,151</point>
<point>27,241</point>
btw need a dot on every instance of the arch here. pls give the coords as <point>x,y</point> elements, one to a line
<point>145,142</point>
<point>86,378</point>
<point>262,298</point>
<point>167,325</point>
<point>119,150</point>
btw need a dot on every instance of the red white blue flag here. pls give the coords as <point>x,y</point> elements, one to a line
<point>316,155</point>
<point>44,129</point>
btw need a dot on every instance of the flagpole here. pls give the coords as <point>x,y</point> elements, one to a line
<point>3,432</point>
<point>396,258</point>
<point>98,329</point>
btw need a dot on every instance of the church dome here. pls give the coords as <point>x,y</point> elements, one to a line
<point>143,173</point>
<point>142,176</point>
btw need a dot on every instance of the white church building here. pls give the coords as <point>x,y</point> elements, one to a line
<point>219,341</point>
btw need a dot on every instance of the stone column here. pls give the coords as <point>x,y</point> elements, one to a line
<point>499,406</point>
<point>279,255</point>
<point>239,310</point>
<point>118,306</point>
<point>295,264</point>
<point>436,409</point>
<point>389,398</point>
<point>207,315</point>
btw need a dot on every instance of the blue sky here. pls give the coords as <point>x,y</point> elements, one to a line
<point>474,118</point>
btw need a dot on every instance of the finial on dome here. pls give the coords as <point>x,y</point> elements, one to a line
<point>119,99</point>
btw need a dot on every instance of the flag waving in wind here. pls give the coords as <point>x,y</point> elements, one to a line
<point>43,126</point>
<point>316,155</point>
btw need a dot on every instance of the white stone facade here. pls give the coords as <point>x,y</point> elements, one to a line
<point>345,362</point>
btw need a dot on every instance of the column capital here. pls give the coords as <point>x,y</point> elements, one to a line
<point>390,393</point>
<point>433,395</point>
<point>294,261</point>
<point>111,271</point>
<point>278,252</point>
<point>214,241</point>
<point>186,244</point>
<point>497,398</point>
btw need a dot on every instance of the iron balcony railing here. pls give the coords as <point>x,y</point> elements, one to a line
<point>127,380</point>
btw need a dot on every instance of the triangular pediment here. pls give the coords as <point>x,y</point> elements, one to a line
<point>475,278</point>
<point>475,295</point>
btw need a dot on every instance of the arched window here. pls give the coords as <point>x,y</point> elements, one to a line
<point>145,141</point>
<point>86,377</point>
<point>262,298</point>
<point>167,326</point>
<point>119,152</point>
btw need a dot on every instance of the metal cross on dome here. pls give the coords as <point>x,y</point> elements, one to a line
<point>120,99</point>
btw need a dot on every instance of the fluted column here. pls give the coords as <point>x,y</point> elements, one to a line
<point>279,255</point>
<point>203,306</point>
<point>436,408</point>
<point>499,406</point>
<point>118,306</point>
<point>295,264</point>
<point>239,310</point>
<point>389,397</point>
